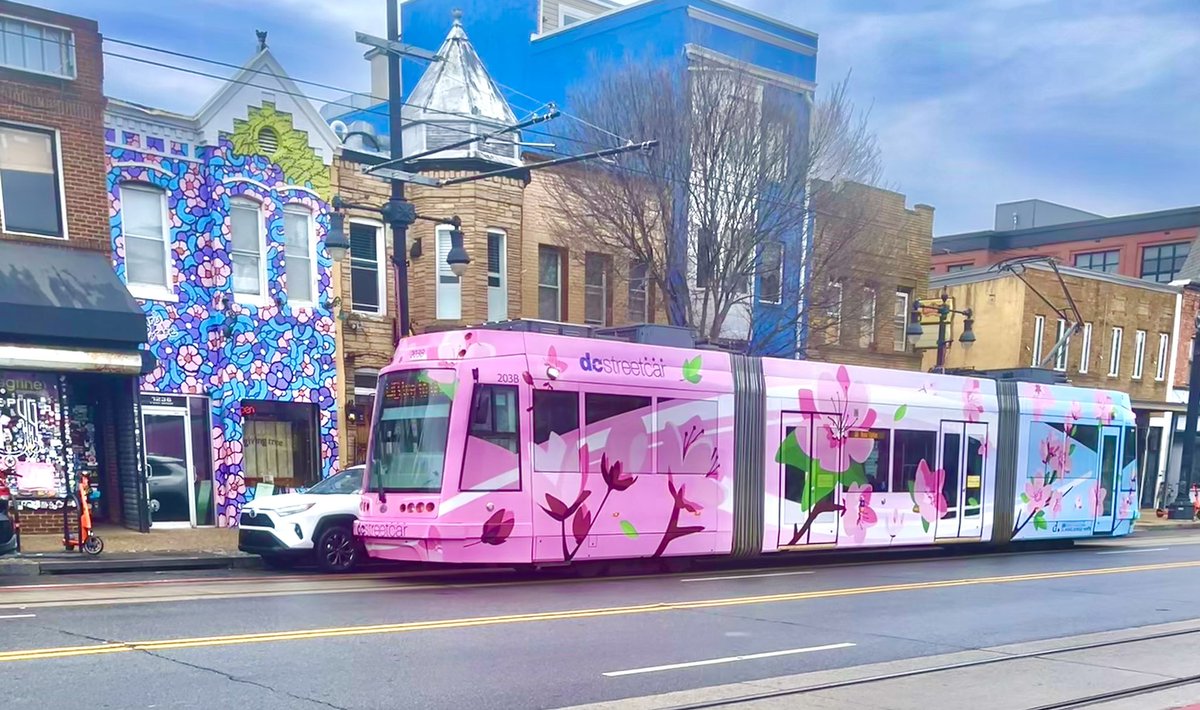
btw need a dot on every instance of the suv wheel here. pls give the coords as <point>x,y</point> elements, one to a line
<point>336,549</point>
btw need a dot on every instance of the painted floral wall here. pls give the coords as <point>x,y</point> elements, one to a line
<point>207,342</point>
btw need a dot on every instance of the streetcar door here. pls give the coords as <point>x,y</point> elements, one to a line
<point>974,461</point>
<point>950,462</point>
<point>1104,496</point>
<point>811,486</point>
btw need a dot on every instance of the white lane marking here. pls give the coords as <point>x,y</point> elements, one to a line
<point>745,576</point>
<point>18,616</point>
<point>727,659</point>
<point>1140,549</point>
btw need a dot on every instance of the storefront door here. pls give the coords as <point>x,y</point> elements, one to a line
<point>169,469</point>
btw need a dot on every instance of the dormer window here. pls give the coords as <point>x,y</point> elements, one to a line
<point>37,48</point>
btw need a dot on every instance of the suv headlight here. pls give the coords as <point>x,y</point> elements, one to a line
<point>293,509</point>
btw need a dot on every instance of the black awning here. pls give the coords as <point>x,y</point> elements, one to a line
<point>53,295</point>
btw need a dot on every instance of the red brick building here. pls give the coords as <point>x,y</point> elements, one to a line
<point>70,335</point>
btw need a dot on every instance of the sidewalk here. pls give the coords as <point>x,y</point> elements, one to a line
<point>127,550</point>
<point>1149,520</point>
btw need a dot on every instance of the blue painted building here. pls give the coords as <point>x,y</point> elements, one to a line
<point>538,50</point>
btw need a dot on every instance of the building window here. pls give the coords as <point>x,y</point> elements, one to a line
<point>497,253</point>
<point>770,280</point>
<point>449,286</point>
<point>1060,355</point>
<point>639,311</point>
<point>1085,353</point>
<point>1139,353</point>
<point>595,289</point>
<point>1039,333</point>
<point>900,322</point>
<point>1114,353</point>
<point>568,16</point>
<point>958,267</point>
<point>549,283</point>
<point>280,443</point>
<point>298,253</point>
<point>40,49</point>
<point>1106,261</point>
<point>866,333</point>
<point>1161,263</point>
<point>1160,365</point>
<point>247,248</point>
<point>147,248</point>
<point>833,314</point>
<point>30,191</point>
<point>367,270</point>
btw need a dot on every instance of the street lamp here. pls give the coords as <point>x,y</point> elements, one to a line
<point>336,242</point>
<point>914,331</point>
<point>457,257</point>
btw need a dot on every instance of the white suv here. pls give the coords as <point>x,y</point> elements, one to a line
<point>318,522</point>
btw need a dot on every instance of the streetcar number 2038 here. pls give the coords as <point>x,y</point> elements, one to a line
<point>509,378</point>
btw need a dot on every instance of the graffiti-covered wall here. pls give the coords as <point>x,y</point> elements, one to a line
<point>207,339</point>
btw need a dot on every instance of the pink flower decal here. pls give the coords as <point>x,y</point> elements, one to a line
<point>927,493</point>
<point>696,493</point>
<point>614,477</point>
<point>972,401</point>
<point>843,408</point>
<point>1097,500</point>
<point>1126,507</point>
<point>1055,455</point>
<point>565,490</point>
<point>581,525</point>
<point>1074,415</point>
<point>1105,409</point>
<point>859,515</point>
<point>686,449</point>
<point>553,361</point>
<point>1043,400</point>
<point>498,527</point>
<point>894,523</point>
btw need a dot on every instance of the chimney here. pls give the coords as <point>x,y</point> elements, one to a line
<point>379,73</point>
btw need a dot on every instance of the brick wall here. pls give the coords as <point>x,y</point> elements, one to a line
<point>75,109</point>
<point>1190,303</point>
<point>45,522</point>
<point>867,238</point>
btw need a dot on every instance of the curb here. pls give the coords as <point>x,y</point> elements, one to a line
<point>33,566</point>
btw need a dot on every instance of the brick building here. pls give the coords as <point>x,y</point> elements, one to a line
<point>70,335</point>
<point>870,258</point>
<point>1149,245</point>
<point>1125,342</point>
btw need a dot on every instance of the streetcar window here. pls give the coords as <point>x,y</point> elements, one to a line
<point>617,428</point>
<point>794,477</point>
<point>492,462</point>
<point>909,449</point>
<point>598,407</point>
<point>951,457</point>
<point>409,441</point>
<point>556,412</point>
<point>1129,450</point>
<point>1108,471</point>
<point>976,448</point>
<point>878,465</point>
<point>686,430</point>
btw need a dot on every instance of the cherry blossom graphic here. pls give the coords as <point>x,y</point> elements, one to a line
<point>614,475</point>
<point>552,361</point>
<point>1126,506</point>
<point>1099,493</point>
<point>1074,416</point>
<point>894,523</point>
<point>498,527</point>
<point>927,494</point>
<point>1105,409</point>
<point>972,401</point>
<point>685,448</point>
<point>565,490</point>
<point>858,515</point>
<point>1055,455</point>
<point>581,525</point>
<point>842,407</point>
<point>1043,400</point>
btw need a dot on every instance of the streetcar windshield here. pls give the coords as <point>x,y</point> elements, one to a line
<point>409,438</point>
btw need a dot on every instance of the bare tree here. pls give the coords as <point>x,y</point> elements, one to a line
<point>726,198</point>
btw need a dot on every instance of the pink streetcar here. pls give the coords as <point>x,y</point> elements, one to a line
<point>507,445</point>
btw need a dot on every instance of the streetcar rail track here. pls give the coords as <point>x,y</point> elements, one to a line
<point>1165,684</point>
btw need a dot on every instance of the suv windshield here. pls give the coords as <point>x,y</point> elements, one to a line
<point>346,482</point>
<point>408,446</point>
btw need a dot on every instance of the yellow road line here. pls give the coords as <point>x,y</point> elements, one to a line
<point>406,627</point>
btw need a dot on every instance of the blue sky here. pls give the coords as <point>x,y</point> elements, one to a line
<point>1090,103</point>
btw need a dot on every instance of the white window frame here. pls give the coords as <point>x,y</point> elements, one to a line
<point>298,209</point>
<point>644,316</point>
<point>1039,335</point>
<point>449,293</point>
<point>500,307</point>
<point>147,291</point>
<point>833,335</point>
<point>900,342</point>
<point>589,290</point>
<point>1061,355</point>
<point>867,324</point>
<point>56,139</point>
<point>558,288</point>
<point>72,71</point>
<point>381,265</point>
<point>1164,352</point>
<point>261,298</point>
<point>777,245</point>
<point>1139,353</point>
<point>1114,351</point>
<point>565,10</point>
<point>1085,354</point>
<point>364,391</point>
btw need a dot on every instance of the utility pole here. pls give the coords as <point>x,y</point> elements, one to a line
<point>398,212</point>
<point>1181,508</point>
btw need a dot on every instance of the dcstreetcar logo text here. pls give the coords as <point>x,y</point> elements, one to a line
<point>378,529</point>
<point>645,367</point>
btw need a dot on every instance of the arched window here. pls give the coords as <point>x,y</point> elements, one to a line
<point>144,224</point>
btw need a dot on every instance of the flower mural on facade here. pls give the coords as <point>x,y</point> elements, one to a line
<point>840,406</point>
<point>858,516</point>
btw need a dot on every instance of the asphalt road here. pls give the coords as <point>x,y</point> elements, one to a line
<point>261,641</point>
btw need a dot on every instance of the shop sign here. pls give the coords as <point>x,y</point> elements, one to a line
<point>164,400</point>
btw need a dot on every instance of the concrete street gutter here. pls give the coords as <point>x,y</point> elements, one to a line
<point>32,565</point>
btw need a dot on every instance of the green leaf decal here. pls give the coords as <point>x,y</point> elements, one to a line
<point>691,370</point>
<point>627,528</point>
<point>975,501</point>
<point>924,524</point>
<point>1039,520</point>
<point>900,412</point>
<point>1024,498</point>
<point>1071,450</point>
